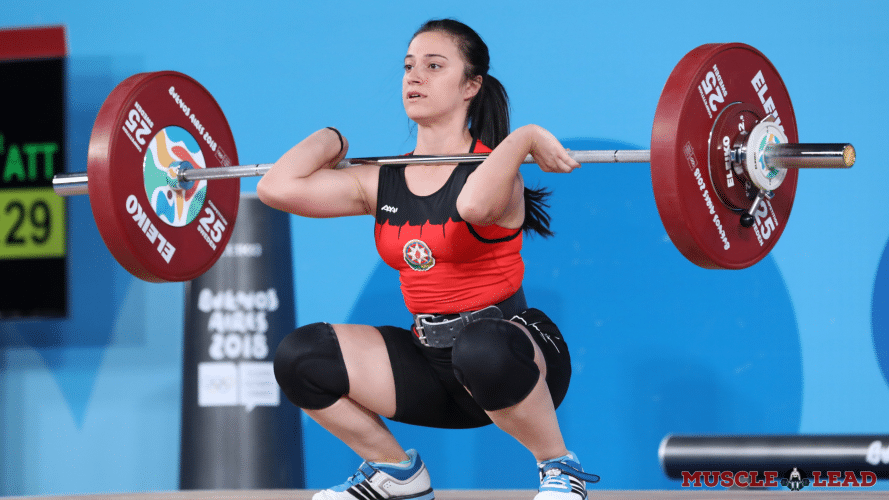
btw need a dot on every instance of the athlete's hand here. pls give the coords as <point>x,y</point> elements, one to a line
<point>548,151</point>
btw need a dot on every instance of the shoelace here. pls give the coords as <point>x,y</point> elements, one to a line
<point>563,468</point>
<point>553,479</point>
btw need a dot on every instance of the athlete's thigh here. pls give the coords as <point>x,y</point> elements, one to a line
<point>371,383</point>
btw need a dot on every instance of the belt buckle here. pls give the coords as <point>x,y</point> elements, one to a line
<point>418,326</point>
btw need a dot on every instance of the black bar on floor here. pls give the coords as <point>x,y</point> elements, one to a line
<point>824,453</point>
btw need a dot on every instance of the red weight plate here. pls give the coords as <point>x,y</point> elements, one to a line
<point>159,234</point>
<point>707,80</point>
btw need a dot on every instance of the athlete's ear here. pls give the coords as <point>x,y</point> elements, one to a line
<point>472,87</point>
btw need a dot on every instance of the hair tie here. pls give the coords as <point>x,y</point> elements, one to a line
<point>340,136</point>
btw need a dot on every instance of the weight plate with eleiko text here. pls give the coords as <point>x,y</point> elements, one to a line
<point>706,81</point>
<point>157,232</point>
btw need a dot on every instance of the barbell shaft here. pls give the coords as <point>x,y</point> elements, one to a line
<point>599,156</point>
<point>77,183</point>
<point>777,155</point>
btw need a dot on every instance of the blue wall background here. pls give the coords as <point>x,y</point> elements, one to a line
<point>798,343</point>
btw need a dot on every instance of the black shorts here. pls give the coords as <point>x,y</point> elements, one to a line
<point>427,392</point>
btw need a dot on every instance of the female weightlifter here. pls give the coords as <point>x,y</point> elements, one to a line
<point>475,353</point>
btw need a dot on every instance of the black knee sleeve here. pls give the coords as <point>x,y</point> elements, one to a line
<point>494,359</point>
<point>309,367</point>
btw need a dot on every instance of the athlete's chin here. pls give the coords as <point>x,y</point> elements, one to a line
<point>419,117</point>
<point>414,110</point>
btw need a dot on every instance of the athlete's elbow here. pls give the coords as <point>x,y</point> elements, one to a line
<point>480,214</point>
<point>278,195</point>
<point>267,193</point>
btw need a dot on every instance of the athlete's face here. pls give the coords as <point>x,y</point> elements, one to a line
<point>434,87</point>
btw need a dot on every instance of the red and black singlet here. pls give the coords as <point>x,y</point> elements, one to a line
<point>446,264</point>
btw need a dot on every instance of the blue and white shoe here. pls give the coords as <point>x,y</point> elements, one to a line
<point>563,479</point>
<point>408,480</point>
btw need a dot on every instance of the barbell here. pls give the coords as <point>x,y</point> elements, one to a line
<point>724,140</point>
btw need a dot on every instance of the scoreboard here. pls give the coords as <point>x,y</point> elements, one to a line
<point>33,250</point>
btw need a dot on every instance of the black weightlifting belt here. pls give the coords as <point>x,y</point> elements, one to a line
<point>441,330</point>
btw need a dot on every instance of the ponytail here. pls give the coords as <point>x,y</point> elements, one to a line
<point>489,123</point>
<point>488,114</point>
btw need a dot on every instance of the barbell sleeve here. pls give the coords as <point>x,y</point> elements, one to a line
<point>809,155</point>
<point>70,184</point>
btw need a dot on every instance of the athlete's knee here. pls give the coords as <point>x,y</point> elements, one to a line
<point>309,367</point>
<point>494,359</point>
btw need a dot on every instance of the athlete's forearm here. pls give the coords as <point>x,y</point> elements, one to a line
<point>489,191</point>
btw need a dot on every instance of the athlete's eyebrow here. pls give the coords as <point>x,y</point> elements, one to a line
<point>427,55</point>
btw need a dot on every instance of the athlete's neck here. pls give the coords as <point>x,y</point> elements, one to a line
<point>442,140</point>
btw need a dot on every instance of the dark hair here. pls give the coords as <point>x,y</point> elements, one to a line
<point>488,115</point>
